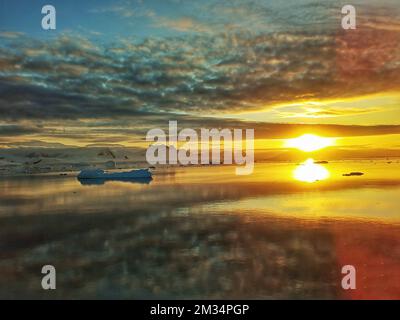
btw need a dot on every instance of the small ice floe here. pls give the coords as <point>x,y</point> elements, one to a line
<point>353,174</point>
<point>101,174</point>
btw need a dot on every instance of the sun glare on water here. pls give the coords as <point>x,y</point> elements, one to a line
<point>310,172</point>
<point>309,142</point>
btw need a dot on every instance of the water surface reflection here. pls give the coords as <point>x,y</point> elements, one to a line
<point>201,233</point>
<point>310,172</point>
<point>99,181</point>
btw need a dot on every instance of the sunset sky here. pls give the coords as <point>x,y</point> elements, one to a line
<point>112,70</point>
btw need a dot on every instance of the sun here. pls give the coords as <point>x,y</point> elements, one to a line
<point>309,142</point>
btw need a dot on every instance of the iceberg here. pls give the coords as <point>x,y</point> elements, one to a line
<point>101,181</point>
<point>101,174</point>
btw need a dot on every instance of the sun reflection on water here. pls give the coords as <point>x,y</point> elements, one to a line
<point>310,172</point>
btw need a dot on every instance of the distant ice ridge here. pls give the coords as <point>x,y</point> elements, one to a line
<point>101,174</point>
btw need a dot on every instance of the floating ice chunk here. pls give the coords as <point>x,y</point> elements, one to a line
<point>101,174</point>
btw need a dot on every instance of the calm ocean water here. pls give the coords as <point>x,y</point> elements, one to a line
<point>205,233</point>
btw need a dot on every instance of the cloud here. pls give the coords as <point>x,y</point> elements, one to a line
<point>33,144</point>
<point>323,111</point>
<point>225,59</point>
<point>128,132</point>
<point>183,24</point>
<point>11,34</point>
<point>16,130</point>
<point>196,74</point>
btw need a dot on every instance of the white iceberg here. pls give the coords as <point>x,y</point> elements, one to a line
<point>101,174</point>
